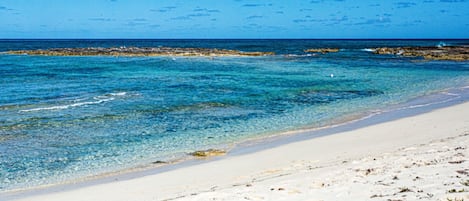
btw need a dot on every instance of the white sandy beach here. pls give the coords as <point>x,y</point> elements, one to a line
<point>423,157</point>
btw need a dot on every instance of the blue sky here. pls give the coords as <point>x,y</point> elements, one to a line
<point>234,19</point>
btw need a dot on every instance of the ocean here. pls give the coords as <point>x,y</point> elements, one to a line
<point>65,118</point>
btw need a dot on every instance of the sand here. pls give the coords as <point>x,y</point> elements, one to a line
<point>422,157</point>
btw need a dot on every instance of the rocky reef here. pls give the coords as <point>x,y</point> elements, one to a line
<point>452,53</point>
<point>139,51</point>
<point>322,50</point>
<point>208,153</point>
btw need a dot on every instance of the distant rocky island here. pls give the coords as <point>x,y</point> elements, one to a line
<point>322,50</point>
<point>452,53</point>
<point>140,51</point>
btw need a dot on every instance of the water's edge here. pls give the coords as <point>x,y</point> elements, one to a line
<point>413,107</point>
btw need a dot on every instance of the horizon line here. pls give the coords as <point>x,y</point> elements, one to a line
<point>234,38</point>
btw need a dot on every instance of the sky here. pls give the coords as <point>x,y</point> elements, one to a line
<point>316,19</point>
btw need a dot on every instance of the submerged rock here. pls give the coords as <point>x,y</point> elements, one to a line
<point>453,53</point>
<point>322,50</point>
<point>140,51</point>
<point>208,153</point>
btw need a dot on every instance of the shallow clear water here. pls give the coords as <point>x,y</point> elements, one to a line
<point>63,118</point>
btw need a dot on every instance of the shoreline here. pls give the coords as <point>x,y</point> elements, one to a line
<point>413,107</point>
<point>248,148</point>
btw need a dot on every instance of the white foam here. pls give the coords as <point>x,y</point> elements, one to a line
<point>298,55</point>
<point>450,94</point>
<point>291,55</point>
<point>62,107</point>
<point>118,94</point>
<point>368,50</point>
<point>99,100</point>
<point>441,44</point>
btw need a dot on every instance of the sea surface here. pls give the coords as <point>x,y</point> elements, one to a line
<point>68,118</point>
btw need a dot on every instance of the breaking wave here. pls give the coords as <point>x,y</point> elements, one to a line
<point>95,100</point>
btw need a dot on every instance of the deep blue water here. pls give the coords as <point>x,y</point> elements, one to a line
<point>63,118</point>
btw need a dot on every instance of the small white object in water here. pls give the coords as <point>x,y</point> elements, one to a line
<point>441,44</point>
<point>174,59</point>
<point>332,75</point>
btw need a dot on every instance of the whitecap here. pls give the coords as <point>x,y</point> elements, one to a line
<point>290,55</point>
<point>298,55</point>
<point>109,96</point>
<point>62,107</point>
<point>119,94</point>
<point>441,44</point>
<point>78,103</point>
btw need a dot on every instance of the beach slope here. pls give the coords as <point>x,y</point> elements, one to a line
<point>418,157</point>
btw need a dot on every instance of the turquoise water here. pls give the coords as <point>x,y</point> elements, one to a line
<point>65,118</point>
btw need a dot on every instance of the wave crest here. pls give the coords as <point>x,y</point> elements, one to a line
<point>97,100</point>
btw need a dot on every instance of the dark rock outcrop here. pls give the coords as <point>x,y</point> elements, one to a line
<point>208,153</point>
<point>453,53</point>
